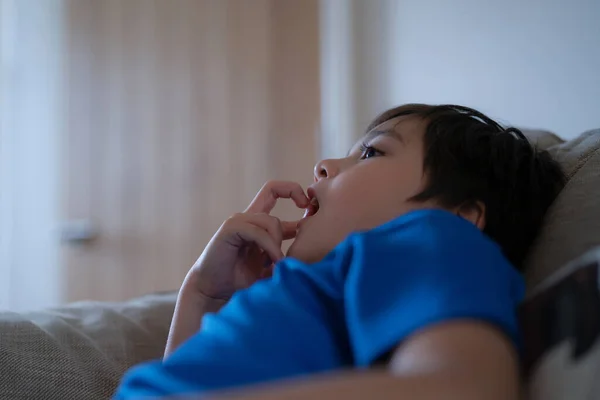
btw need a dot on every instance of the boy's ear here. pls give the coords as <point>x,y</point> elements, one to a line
<point>473,211</point>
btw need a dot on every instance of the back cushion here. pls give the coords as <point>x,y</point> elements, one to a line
<point>560,322</point>
<point>572,225</point>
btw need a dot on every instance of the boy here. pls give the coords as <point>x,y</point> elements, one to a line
<point>403,273</point>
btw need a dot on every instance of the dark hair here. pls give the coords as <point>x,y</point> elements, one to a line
<point>470,157</point>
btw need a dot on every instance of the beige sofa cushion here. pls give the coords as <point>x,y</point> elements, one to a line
<point>572,225</point>
<point>566,300</point>
<point>542,139</point>
<point>560,320</point>
<point>80,351</point>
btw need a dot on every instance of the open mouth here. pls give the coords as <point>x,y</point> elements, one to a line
<point>312,208</point>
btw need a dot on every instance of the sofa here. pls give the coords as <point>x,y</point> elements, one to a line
<point>81,350</point>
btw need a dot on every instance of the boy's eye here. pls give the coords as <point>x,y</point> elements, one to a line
<point>368,152</point>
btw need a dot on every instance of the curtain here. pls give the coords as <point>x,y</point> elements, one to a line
<point>30,118</point>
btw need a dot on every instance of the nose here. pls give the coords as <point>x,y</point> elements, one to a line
<point>325,169</point>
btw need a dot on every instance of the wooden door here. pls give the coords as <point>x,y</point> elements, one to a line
<point>177,112</point>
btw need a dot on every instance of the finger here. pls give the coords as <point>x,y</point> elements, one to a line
<point>267,197</point>
<point>266,261</point>
<point>269,223</point>
<point>259,236</point>
<point>288,229</point>
<point>267,272</point>
<point>272,225</point>
<point>258,257</point>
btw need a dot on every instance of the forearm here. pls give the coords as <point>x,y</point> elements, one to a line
<point>461,360</point>
<point>189,310</point>
<point>376,385</point>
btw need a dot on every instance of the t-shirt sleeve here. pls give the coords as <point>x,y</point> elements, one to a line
<point>406,277</point>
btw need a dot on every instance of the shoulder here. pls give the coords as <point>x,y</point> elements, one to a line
<point>421,269</point>
<point>434,236</point>
<point>428,227</point>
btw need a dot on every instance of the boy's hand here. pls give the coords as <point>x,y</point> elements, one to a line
<point>247,245</point>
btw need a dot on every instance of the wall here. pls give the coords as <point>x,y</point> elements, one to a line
<point>355,69</point>
<point>528,63</point>
<point>531,63</point>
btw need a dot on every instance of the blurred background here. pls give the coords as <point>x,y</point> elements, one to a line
<point>130,129</point>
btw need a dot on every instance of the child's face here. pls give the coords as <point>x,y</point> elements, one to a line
<point>367,188</point>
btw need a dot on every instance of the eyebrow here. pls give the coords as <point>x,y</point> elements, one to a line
<point>387,132</point>
<point>372,135</point>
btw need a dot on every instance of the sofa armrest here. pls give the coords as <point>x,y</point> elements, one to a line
<point>80,350</point>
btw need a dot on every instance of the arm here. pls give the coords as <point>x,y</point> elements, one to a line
<point>456,360</point>
<point>190,308</point>
<point>225,267</point>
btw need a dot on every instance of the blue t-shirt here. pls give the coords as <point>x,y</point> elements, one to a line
<point>371,292</point>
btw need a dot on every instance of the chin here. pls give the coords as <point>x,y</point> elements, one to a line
<point>304,251</point>
<point>295,250</point>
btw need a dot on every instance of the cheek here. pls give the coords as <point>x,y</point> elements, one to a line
<point>378,197</point>
<point>358,203</point>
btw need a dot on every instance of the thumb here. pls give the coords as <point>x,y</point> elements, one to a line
<point>288,228</point>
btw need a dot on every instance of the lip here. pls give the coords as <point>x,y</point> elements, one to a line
<point>311,194</point>
<point>304,219</point>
